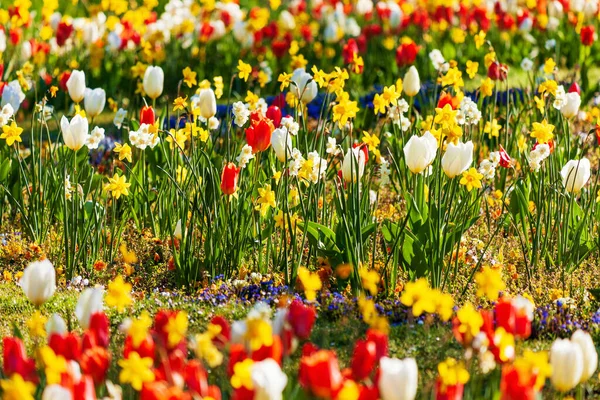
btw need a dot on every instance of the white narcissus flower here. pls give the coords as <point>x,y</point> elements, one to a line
<point>154,78</point>
<point>95,137</point>
<point>207,102</point>
<point>268,379</point>
<point>398,379</point>
<point>590,355</point>
<point>281,141</point>
<point>457,158</point>
<point>419,152</point>
<point>76,86</point>
<point>39,281</point>
<point>90,302</point>
<point>566,359</point>
<point>575,174</point>
<point>75,132</point>
<point>353,166</point>
<point>94,101</point>
<point>303,86</point>
<point>412,82</point>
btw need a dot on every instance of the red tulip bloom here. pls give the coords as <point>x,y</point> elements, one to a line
<point>587,35</point>
<point>274,114</point>
<point>363,359</point>
<point>274,351</point>
<point>515,316</point>
<point>67,345</point>
<point>63,32</point>
<point>447,98</point>
<point>16,360</point>
<point>258,134</point>
<point>99,327</point>
<point>505,159</point>
<point>64,77</point>
<point>574,88</point>
<point>454,392</point>
<point>95,362</point>
<point>517,384</point>
<point>225,335</point>
<point>497,71</point>
<point>349,50</point>
<point>406,53</point>
<point>381,342</point>
<point>302,318</point>
<point>320,374</point>
<point>364,148</point>
<point>229,178</point>
<point>84,389</point>
<point>147,115</point>
<point>145,348</point>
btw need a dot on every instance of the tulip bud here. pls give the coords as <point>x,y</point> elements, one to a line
<point>572,103</point>
<point>353,166</point>
<point>419,152</point>
<point>268,380</point>
<point>412,82</point>
<point>90,302</point>
<point>258,134</point>
<point>398,379</point>
<point>574,88</point>
<point>177,234</point>
<point>590,356</point>
<point>457,158</point>
<point>229,178</point>
<point>94,101</point>
<point>566,359</point>
<point>505,160</point>
<point>363,359</point>
<point>575,174</point>
<point>153,81</point>
<point>76,86</point>
<point>274,114</point>
<point>303,86</point>
<point>208,103</point>
<point>147,115</point>
<point>75,132</point>
<point>282,143</point>
<point>39,281</point>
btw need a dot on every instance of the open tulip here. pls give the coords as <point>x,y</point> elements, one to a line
<point>566,359</point>
<point>90,302</point>
<point>268,380</point>
<point>572,103</point>
<point>76,86</point>
<point>75,132</point>
<point>353,166</point>
<point>419,152</point>
<point>575,174</point>
<point>590,355</point>
<point>94,101</point>
<point>208,103</point>
<point>154,78</point>
<point>281,141</point>
<point>398,379</point>
<point>229,178</point>
<point>303,86</point>
<point>39,281</point>
<point>457,158</point>
<point>411,82</point>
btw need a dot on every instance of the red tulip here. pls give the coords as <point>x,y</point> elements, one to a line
<point>320,374</point>
<point>229,178</point>
<point>225,335</point>
<point>505,159</point>
<point>147,115</point>
<point>67,345</point>
<point>274,114</point>
<point>145,348</point>
<point>64,77</point>
<point>84,389</point>
<point>161,319</point>
<point>16,360</point>
<point>517,385</point>
<point>349,50</point>
<point>258,135</point>
<point>95,362</point>
<point>363,359</point>
<point>447,98</point>
<point>364,148</point>
<point>274,351</point>
<point>99,327</point>
<point>63,31</point>
<point>302,318</point>
<point>574,88</point>
<point>406,53</point>
<point>587,35</point>
<point>497,71</point>
<point>454,392</point>
<point>381,342</point>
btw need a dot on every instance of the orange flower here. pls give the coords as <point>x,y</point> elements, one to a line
<point>320,373</point>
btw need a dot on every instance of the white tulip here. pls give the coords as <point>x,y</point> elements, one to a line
<point>575,174</point>
<point>76,86</point>
<point>56,325</point>
<point>590,355</point>
<point>571,106</point>
<point>154,78</point>
<point>303,86</point>
<point>56,392</point>
<point>90,302</point>
<point>395,14</point>
<point>419,152</point>
<point>75,132</point>
<point>12,95</point>
<point>207,103</point>
<point>177,233</point>
<point>268,379</point>
<point>411,82</point>
<point>353,166</point>
<point>457,158</point>
<point>398,379</point>
<point>566,359</point>
<point>281,141</point>
<point>39,281</point>
<point>94,101</point>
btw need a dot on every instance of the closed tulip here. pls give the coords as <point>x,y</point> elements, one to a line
<point>258,134</point>
<point>229,178</point>
<point>419,152</point>
<point>75,132</point>
<point>154,78</point>
<point>411,82</point>
<point>268,380</point>
<point>282,143</point>
<point>147,115</point>
<point>94,101</point>
<point>303,86</point>
<point>575,174</point>
<point>590,355</point>
<point>353,166</point>
<point>572,103</point>
<point>90,302</point>
<point>208,103</point>
<point>274,114</point>
<point>56,325</point>
<point>398,379</point>
<point>76,86</point>
<point>566,359</point>
<point>39,281</point>
<point>457,158</point>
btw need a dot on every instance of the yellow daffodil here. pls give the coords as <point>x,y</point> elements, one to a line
<point>136,370</point>
<point>471,179</point>
<point>117,186</point>
<point>244,70</point>
<point>118,294</point>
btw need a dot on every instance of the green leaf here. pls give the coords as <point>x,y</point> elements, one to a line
<point>320,236</point>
